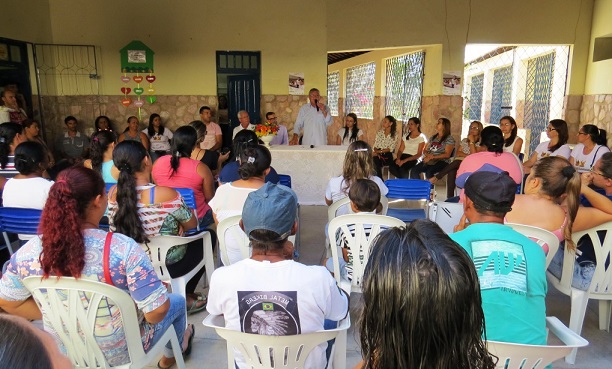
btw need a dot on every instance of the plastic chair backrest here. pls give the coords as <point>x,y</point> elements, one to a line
<point>265,352</point>
<point>358,230</point>
<point>601,284</point>
<point>19,220</point>
<point>540,236</point>
<point>520,356</point>
<point>188,197</point>
<point>285,180</point>
<point>108,186</point>
<point>332,210</point>
<point>408,189</point>
<point>71,305</point>
<point>230,227</point>
<point>445,214</point>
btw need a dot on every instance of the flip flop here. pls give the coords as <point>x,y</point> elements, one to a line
<point>189,341</point>
<point>165,367</point>
<point>194,308</point>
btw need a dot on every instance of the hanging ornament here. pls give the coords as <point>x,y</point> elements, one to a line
<point>151,99</point>
<point>126,101</point>
<point>126,90</point>
<point>139,103</point>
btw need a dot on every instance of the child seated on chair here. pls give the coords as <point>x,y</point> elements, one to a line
<point>365,199</point>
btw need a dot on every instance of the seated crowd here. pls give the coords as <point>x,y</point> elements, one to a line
<point>454,281</point>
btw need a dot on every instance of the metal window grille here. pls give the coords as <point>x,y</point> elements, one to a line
<point>502,94</point>
<point>65,70</point>
<point>526,82</point>
<point>537,95</point>
<point>475,99</point>
<point>404,85</point>
<point>360,90</point>
<point>333,90</point>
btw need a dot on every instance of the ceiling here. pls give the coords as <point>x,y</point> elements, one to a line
<point>337,57</point>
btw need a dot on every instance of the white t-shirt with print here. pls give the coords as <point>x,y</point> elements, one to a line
<point>584,163</point>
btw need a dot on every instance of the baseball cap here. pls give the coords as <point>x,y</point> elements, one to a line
<point>460,181</point>
<point>272,208</point>
<point>491,191</point>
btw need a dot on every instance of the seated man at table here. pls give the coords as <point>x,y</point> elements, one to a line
<point>511,267</point>
<point>282,137</point>
<point>270,293</point>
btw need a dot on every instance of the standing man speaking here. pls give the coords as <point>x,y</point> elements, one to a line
<point>313,119</point>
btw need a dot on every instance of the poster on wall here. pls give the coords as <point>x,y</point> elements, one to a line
<point>451,82</point>
<point>296,83</point>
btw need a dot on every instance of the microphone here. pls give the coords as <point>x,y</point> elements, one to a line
<point>317,104</point>
<point>312,146</point>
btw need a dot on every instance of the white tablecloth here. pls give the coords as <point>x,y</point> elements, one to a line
<point>310,169</point>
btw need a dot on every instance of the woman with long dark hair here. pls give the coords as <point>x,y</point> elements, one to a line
<point>31,129</point>
<point>591,146</point>
<point>410,149</point>
<point>103,123</point>
<point>421,303</point>
<point>438,152</point>
<point>179,170</point>
<point>556,146</point>
<point>141,210</point>
<point>244,139</point>
<point>71,245</point>
<point>11,135</point>
<point>512,142</point>
<point>212,159</point>
<point>350,132</point>
<point>101,155</point>
<point>159,137</point>
<point>385,143</point>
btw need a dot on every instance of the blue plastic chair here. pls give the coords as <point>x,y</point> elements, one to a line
<point>408,189</point>
<point>285,180</point>
<point>189,198</point>
<point>20,221</point>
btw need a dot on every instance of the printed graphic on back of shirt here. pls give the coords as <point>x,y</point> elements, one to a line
<point>272,313</point>
<point>500,264</point>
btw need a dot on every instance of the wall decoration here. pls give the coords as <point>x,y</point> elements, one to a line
<point>451,82</point>
<point>296,83</point>
<point>137,58</point>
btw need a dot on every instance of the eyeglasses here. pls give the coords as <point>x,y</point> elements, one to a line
<point>272,118</point>
<point>582,133</point>
<point>476,128</point>
<point>550,129</point>
<point>595,172</point>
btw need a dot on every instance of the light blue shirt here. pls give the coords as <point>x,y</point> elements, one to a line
<point>282,137</point>
<point>314,125</point>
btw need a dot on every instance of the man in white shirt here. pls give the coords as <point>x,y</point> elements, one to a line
<point>269,293</point>
<point>282,137</point>
<point>313,119</point>
<point>245,123</point>
<point>214,137</point>
<point>10,111</point>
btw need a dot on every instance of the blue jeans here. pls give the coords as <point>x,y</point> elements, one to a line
<point>175,317</point>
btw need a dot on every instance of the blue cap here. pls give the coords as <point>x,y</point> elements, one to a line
<point>272,208</point>
<point>460,181</point>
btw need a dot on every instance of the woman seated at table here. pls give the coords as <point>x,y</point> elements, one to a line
<point>556,145</point>
<point>180,171</point>
<point>230,197</point>
<point>358,164</point>
<point>350,132</point>
<point>512,142</point>
<point>421,303</point>
<point>410,150</point>
<point>229,173</point>
<point>469,145</point>
<point>384,144</point>
<point>28,189</point>
<point>78,198</point>
<point>590,148</point>
<point>438,151</point>
<point>141,210</point>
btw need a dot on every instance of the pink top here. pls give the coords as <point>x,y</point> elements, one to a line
<point>186,176</point>
<point>505,161</point>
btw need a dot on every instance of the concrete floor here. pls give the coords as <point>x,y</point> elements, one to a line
<point>209,350</point>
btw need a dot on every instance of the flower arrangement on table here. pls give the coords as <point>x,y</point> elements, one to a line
<point>266,129</point>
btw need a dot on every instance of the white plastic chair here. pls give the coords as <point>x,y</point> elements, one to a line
<point>231,226</point>
<point>540,236</point>
<point>445,214</point>
<point>158,247</point>
<point>267,352</point>
<point>518,356</point>
<point>332,210</point>
<point>601,284</point>
<point>359,244</point>
<point>70,306</point>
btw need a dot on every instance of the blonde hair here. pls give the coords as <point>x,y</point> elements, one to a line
<point>358,163</point>
<point>560,178</point>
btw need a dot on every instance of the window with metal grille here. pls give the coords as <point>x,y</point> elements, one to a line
<point>360,90</point>
<point>538,95</point>
<point>475,101</point>
<point>404,85</point>
<point>333,89</point>
<point>501,100</point>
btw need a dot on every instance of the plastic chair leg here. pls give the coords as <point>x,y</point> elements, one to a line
<point>578,310</point>
<point>605,309</point>
<point>338,358</point>
<point>8,243</point>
